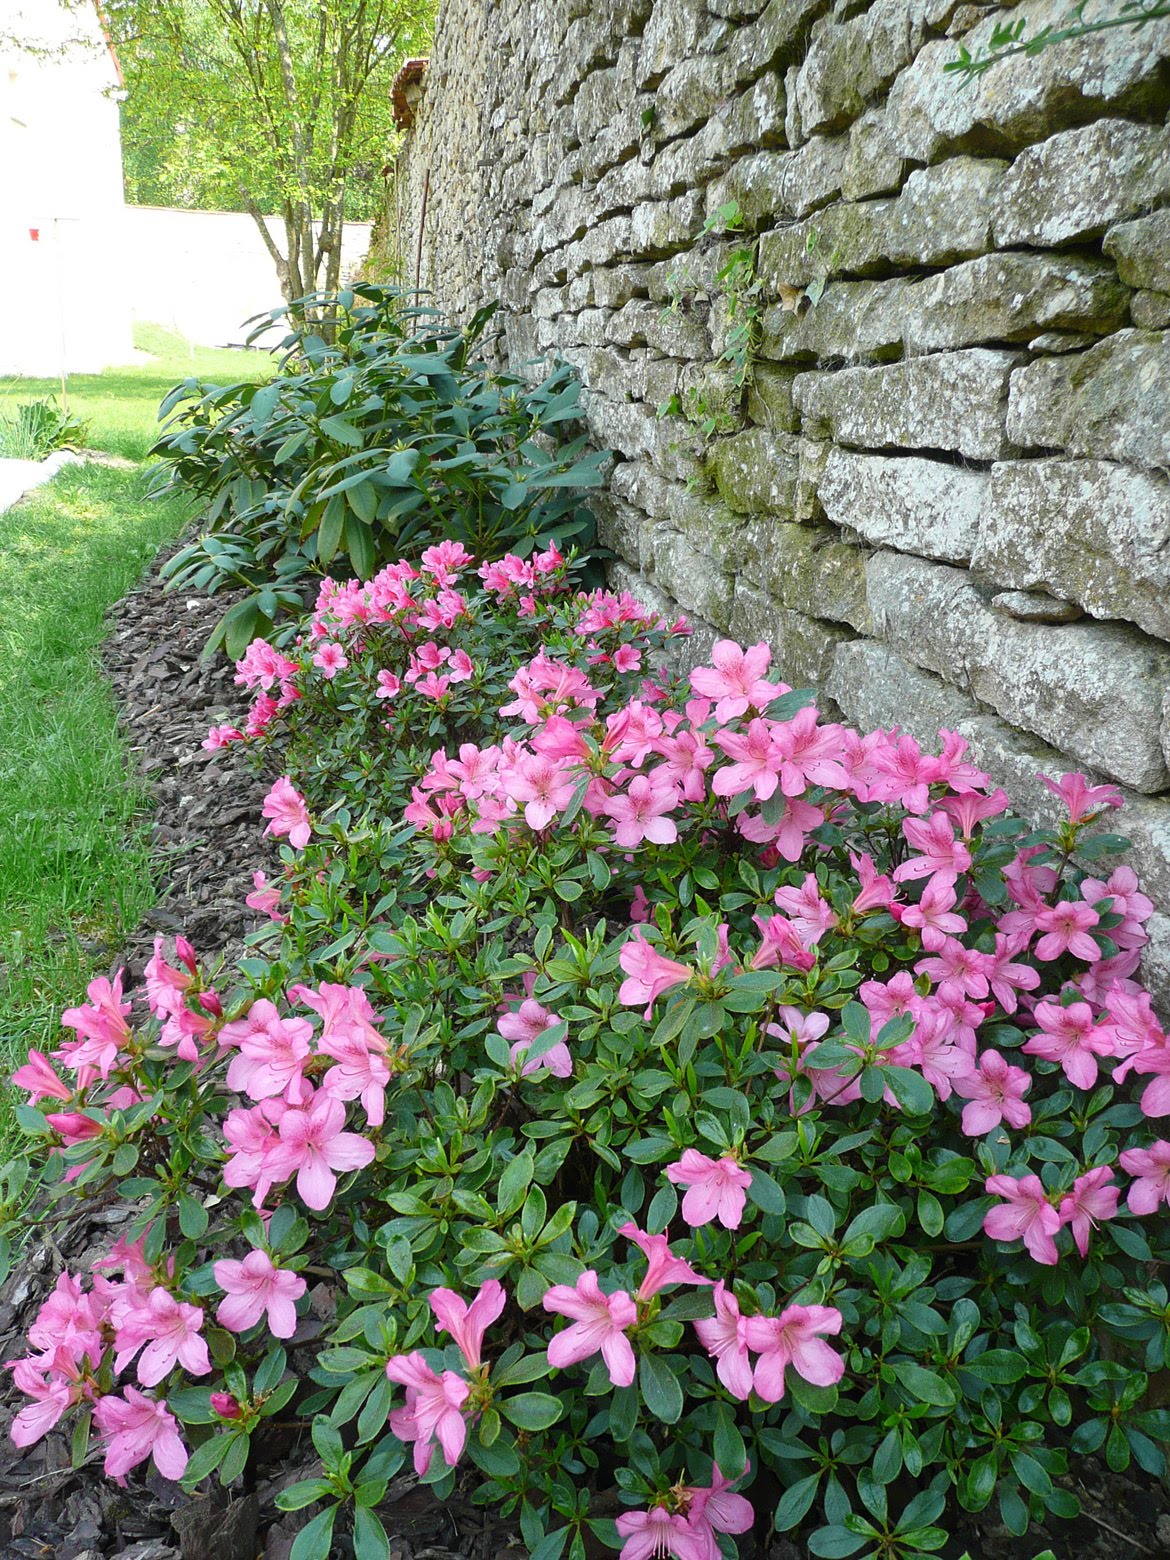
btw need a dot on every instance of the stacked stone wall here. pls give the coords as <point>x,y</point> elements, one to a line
<point>943,497</point>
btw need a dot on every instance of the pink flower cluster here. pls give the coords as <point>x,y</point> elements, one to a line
<point>689,1531</point>
<point>795,1337</point>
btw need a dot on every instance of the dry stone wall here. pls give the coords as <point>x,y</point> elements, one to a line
<point>943,497</point>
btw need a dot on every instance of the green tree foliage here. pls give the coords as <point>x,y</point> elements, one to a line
<point>265,106</point>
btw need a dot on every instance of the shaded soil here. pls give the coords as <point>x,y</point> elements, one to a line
<point>208,840</point>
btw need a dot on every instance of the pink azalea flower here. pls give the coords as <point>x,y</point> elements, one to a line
<point>1025,1215</point>
<point>1082,799</point>
<point>725,1337</point>
<point>796,1338</point>
<point>265,898</point>
<point>736,679</point>
<point>101,1028</point>
<point>468,1323</point>
<point>650,973</point>
<point>811,754</point>
<point>1069,1036</point>
<point>288,813</point>
<point>757,759</point>
<point>170,1329</point>
<point>1006,978</point>
<point>641,813</point>
<point>136,1427</point>
<point>715,1509</point>
<point>718,1188</point>
<point>544,786</point>
<point>221,737</point>
<point>389,686</point>
<point>254,1288</point>
<point>226,1405</point>
<point>272,1053</point>
<point>314,1144</point>
<point>933,914</point>
<point>253,1140</point>
<point>996,1094</point>
<point>599,1322</point>
<point>330,659</point>
<point>1151,1169</point>
<point>39,1079</point>
<point>663,1267</point>
<point>1090,1200</point>
<point>523,1028</point>
<point>54,1391</point>
<point>433,1410</point>
<point>938,849</point>
<point>657,1534</point>
<point>1066,930</point>
<point>780,943</point>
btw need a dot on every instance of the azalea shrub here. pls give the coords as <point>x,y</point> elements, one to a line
<point>710,1119</point>
<point>393,435</point>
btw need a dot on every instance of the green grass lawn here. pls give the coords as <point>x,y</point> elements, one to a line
<point>75,872</point>
<point>121,405</point>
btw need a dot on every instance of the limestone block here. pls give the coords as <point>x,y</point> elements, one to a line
<point>623,528</point>
<point>802,647</point>
<point>849,62</point>
<point>770,400</point>
<point>1110,401</point>
<point>1142,251</point>
<point>626,426</point>
<point>947,401</point>
<point>676,28</point>
<point>1150,310</point>
<point>1007,297</point>
<point>640,323</point>
<point>617,284</point>
<point>1092,689</point>
<point>1023,99</point>
<point>873,165</point>
<point>773,184</point>
<point>706,523</point>
<point>689,94</point>
<point>943,215</point>
<point>1087,530</point>
<point>807,568</point>
<point>692,578</point>
<point>1036,606</point>
<point>1154,971</point>
<point>879,689</point>
<point>773,39</point>
<point>853,320</point>
<point>919,506</point>
<point>660,227</point>
<point>755,471</point>
<point>1073,185</point>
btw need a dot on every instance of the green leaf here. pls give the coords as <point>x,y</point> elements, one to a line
<point>660,1389</point>
<point>795,1502</point>
<point>315,1542</point>
<point>297,1496</point>
<point>999,1366</point>
<point>369,1536</point>
<point>925,1385</point>
<point>531,1410</point>
<point>835,1543</point>
<point>514,1183</point>
<point>766,1193</point>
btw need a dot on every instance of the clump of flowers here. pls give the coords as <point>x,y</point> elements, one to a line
<point>714,1115</point>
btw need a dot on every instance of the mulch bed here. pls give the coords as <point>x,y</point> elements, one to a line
<point>207,836</point>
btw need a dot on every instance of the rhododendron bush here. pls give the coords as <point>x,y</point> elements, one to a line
<point>712,1119</point>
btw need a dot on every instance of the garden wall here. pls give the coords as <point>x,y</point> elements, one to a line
<point>944,498</point>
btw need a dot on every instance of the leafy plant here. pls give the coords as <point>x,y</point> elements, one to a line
<point>1011,38</point>
<point>391,437</point>
<point>34,429</point>
<point>691,1096</point>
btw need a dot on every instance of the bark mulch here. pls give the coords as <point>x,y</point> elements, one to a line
<point>208,841</point>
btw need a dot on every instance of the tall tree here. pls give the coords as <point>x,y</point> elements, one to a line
<point>266,106</point>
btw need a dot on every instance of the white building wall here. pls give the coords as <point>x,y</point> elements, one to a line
<point>64,296</point>
<point>203,273</point>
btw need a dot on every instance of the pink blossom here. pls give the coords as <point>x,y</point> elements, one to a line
<point>39,1079</point>
<point>226,1405</point>
<point>433,1410</point>
<point>545,787</point>
<point>657,1534</point>
<point>221,737</point>
<point>1083,800</point>
<point>716,1509</point>
<point>468,1323</point>
<point>101,1028</point>
<point>1026,1214</point>
<point>1151,1169</point>
<point>725,1337</point>
<point>1006,978</point>
<point>599,1322</point>
<point>389,686</point>
<point>254,1288</point>
<point>649,973</point>
<point>718,1188</point>
<point>314,1144</point>
<point>523,1028</point>
<point>780,943</point>
<point>288,813</point>
<point>136,1427</point>
<point>330,659</point>
<point>810,913</point>
<point>938,849</point>
<point>932,915</point>
<point>640,814</point>
<point>272,1053</point>
<point>1070,1037</point>
<point>996,1094</point>
<point>54,1390</point>
<point>70,1319</point>
<point>663,1267</point>
<point>253,1139</point>
<point>1090,1200</point>
<point>796,1338</point>
<point>1066,929</point>
<point>170,1329</point>
<point>265,898</point>
<point>736,679</point>
<point>810,753</point>
<point>757,759</point>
